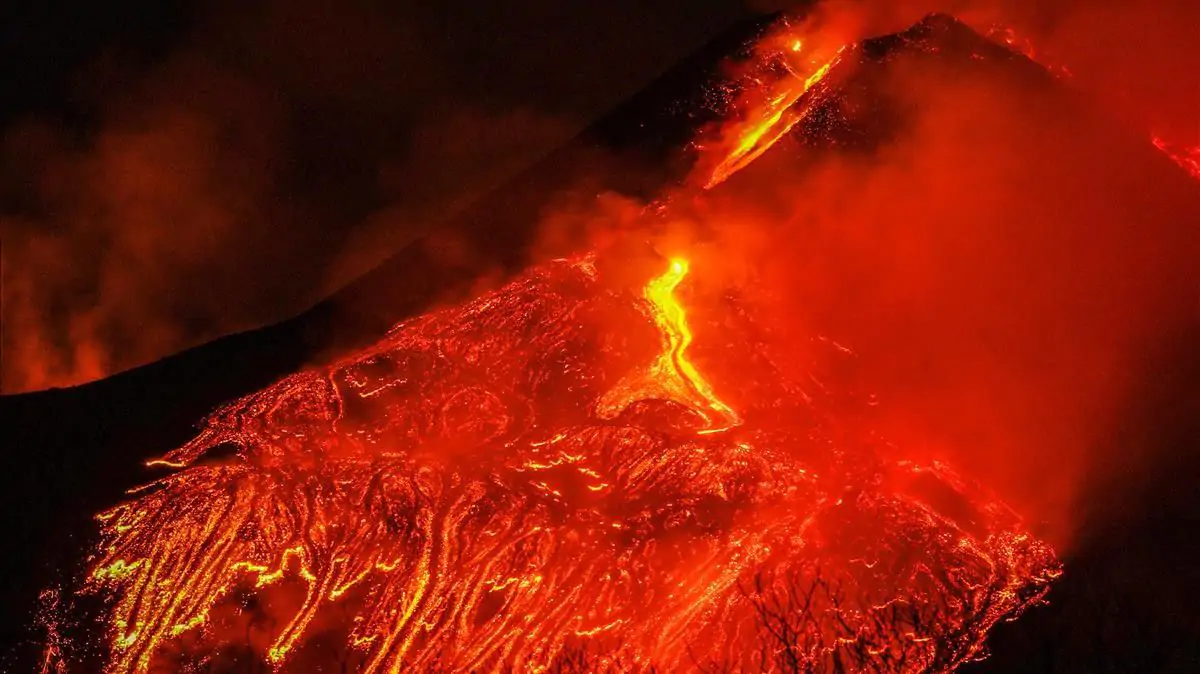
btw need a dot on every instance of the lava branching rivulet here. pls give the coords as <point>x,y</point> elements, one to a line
<point>471,494</point>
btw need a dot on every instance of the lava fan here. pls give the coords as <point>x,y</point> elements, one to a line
<point>511,483</point>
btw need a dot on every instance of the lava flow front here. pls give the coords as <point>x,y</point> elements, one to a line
<point>513,484</point>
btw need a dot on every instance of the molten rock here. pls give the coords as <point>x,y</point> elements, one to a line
<point>542,479</point>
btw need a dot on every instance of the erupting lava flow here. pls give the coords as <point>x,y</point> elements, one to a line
<point>1188,158</point>
<point>455,497</point>
<point>543,478</point>
<point>778,117</point>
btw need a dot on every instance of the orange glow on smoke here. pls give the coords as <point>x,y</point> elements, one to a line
<point>672,376</point>
<point>1021,44</point>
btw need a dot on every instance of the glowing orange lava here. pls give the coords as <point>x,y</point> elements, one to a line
<point>451,499</point>
<point>672,376</point>
<point>774,117</point>
<point>526,482</point>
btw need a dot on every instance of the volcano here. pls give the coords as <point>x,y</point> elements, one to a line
<point>606,461</point>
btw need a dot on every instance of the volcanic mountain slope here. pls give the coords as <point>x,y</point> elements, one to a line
<point>520,483</point>
<point>129,417</point>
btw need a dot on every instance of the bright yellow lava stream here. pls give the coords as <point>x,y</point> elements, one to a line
<point>760,135</point>
<point>672,376</point>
